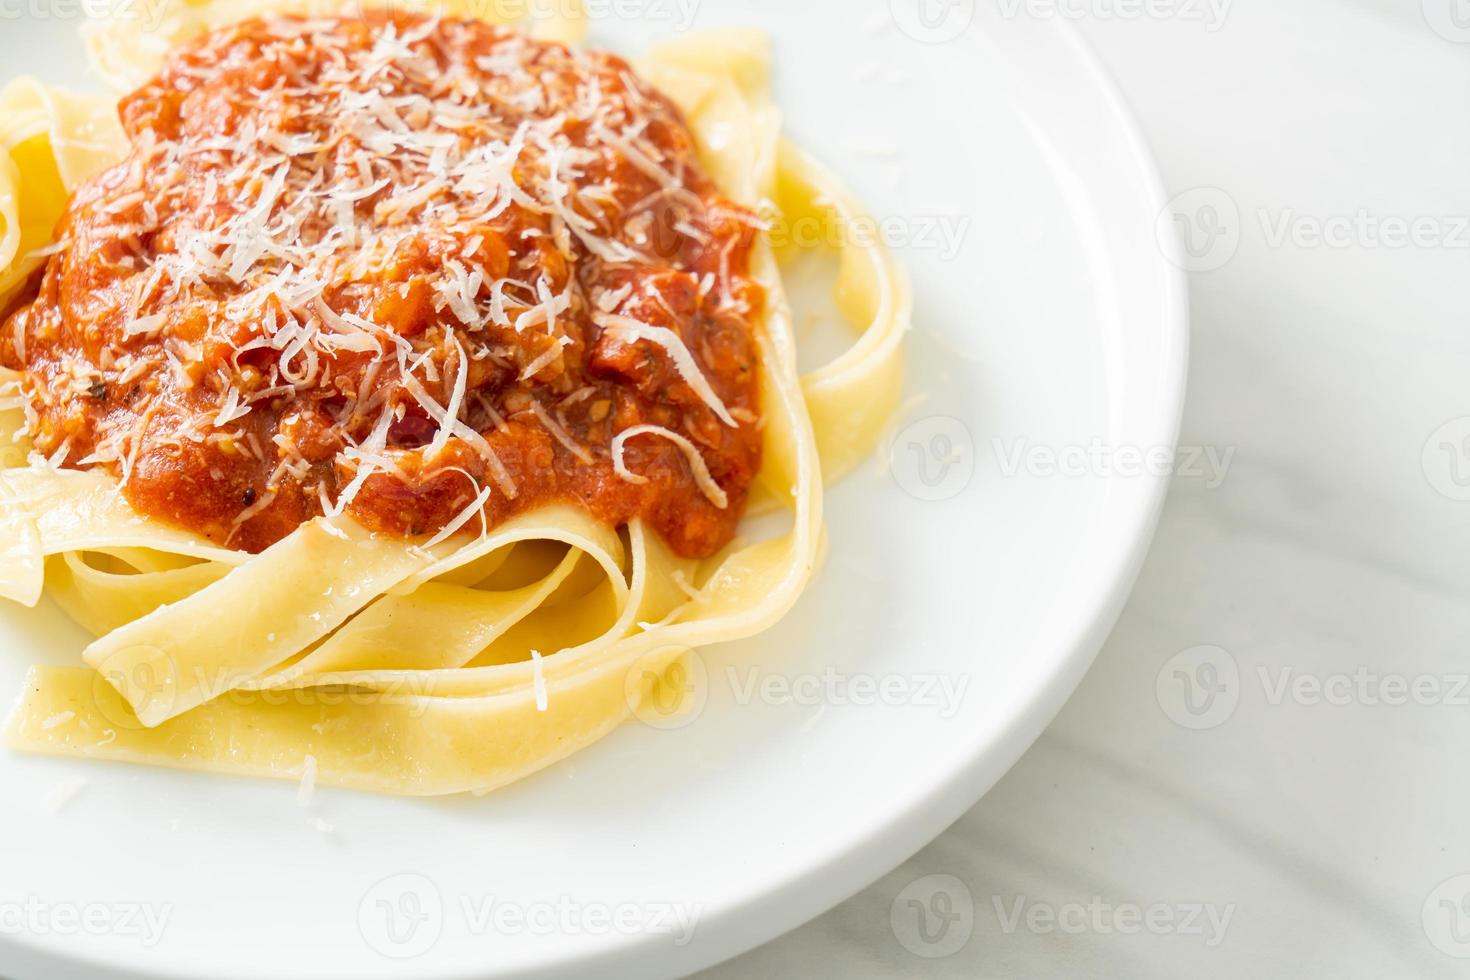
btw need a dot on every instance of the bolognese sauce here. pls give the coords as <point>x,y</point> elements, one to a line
<point>432,273</point>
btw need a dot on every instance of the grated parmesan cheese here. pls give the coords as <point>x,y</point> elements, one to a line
<point>706,483</point>
<point>538,681</point>
<point>450,213</point>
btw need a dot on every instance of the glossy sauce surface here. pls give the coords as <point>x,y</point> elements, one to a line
<point>422,271</point>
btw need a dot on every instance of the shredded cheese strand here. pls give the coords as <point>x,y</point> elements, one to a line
<point>706,483</point>
<point>633,330</point>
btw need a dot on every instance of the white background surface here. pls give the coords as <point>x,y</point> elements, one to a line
<point>1326,831</point>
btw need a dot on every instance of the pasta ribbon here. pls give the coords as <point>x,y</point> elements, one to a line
<point>426,671</point>
<point>50,142</point>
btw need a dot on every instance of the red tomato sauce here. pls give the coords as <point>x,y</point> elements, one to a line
<point>380,264</point>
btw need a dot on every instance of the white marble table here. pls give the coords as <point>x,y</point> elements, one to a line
<point>1315,817</point>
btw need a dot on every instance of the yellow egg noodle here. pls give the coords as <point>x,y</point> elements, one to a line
<point>449,667</point>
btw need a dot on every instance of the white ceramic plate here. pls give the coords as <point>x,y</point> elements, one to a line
<point>966,598</point>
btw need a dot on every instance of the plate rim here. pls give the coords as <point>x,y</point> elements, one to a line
<point>730,930</point>
<point>906,832</point>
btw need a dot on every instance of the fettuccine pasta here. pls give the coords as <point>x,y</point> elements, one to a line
<point>458,659</point>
